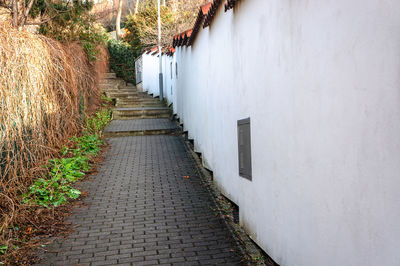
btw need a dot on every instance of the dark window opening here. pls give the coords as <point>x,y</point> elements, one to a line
<point>244,148</point>
<point>171,69</point>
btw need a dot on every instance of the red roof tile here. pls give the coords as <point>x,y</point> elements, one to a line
<point>206,15</point>
<point>151,50</point>
<point>230,4</point>
<point>211,13</point>
<point>205,8</point>
<point>182,38</point>
<point>170,51</point>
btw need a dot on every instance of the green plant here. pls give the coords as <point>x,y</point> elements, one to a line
<point>91,36</point>
<point>50,192</point>
<point>141,28</point>
<point>122,59</point>
<point>69,169</point>
<point>258,258</point>
<point>90,49</point>
<point>71,21</point>
<point>85,145</point>
<point>62,172</point>
<point>106,99</point>
<point>89,144</point>
<point>3,249</point>
<point>98,121</point>
<point>56,190</point>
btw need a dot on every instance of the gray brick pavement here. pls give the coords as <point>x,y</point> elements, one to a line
<point>141,108</point>
<point>142,210</point>
<point>140,124</point>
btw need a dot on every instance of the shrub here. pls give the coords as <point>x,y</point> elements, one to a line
<point>142,28</point>
<point>122,59</point>
<point>72,22</point>
<point>98,121</point>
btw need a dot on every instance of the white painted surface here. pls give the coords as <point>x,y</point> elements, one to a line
<point>321,83</point>
<point>150,74</point>
<point>169,83</point>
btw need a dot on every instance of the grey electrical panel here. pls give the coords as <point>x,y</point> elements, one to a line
<point>244,144</point>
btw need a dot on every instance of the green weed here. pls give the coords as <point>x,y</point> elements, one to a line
<point>56,189</point>
<point>98,121</point>
<point>69,169</point>
<point>106,99</point>
<point>50,192</point>
<point>3,249</point>
<point>87,145</point>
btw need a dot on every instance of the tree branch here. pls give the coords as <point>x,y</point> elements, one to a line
<point>28,9</point>
<point>15,13</point>
<point>6,6</point>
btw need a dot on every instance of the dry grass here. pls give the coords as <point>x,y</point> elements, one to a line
<point>46,88</point>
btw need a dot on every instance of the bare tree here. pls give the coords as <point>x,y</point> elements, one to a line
<point>14,5</point>
<point>184,13</point>
<point>118,20</point>
<point>26,13</point>
<point>137,2</point>
<point>20,12</point>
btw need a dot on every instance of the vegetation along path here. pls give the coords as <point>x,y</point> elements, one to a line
<point>147,205</point>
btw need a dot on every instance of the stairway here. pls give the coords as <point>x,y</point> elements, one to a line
<point>136,113</point>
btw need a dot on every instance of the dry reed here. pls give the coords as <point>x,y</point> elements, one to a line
<point>46,88</point>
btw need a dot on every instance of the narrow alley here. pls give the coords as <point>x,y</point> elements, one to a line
<point>147,204</point>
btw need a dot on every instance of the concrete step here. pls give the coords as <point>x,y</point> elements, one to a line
<point>122,95</point>
<point>108,87</point>
<point>112,81</point>
<point>110,75</point>
<point>150,109</point>
<point>117,90</point>
<point>141,112</point>
<point>129,87</point>
<point>139,116</point>
<point>141,127</point>
<point>138,100</point>
<point>111,86</point>
<point>144,97</point>
<point>141,133</point>
<point>138,104</point>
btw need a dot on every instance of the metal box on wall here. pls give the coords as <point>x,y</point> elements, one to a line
<point>244,148</point>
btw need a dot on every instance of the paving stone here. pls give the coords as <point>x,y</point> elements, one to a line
<point>141,210</point>
<point>141,108</point>
<point>140,125</point>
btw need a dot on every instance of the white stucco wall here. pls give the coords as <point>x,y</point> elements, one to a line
<point>320,81</point>
<point>150,74</point>
<point>168,75</point>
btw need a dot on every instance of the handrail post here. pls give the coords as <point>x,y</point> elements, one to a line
<point>160,76</point>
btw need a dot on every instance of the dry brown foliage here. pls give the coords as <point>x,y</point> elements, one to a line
<point>46,89</point>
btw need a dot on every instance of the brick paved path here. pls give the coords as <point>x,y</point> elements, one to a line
<point>143,211</point>
<point>146,206</point>
<point>140,124</point>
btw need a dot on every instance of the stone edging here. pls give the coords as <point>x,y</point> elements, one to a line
<point>249,250</point>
